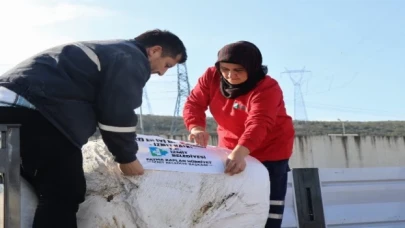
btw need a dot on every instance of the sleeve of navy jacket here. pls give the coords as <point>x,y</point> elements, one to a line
<point>119,95</point>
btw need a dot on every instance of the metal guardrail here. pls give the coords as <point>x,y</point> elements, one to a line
<point>345,198</point>
<point>308,198</point>
<point>10,173</point>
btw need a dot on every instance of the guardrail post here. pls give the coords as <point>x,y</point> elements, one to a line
<point>10,170</point>
<point>308,198</point>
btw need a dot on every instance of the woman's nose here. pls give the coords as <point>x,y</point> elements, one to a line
<point>232,74</point>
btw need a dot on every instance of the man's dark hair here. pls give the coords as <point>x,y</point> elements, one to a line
<point>170,43</point>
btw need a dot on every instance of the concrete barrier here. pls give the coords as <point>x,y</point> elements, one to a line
<point>338,151</point>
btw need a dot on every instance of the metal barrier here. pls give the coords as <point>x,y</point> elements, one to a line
<point>308,198</point>
<point>345,198</point>
<point>10,173</point>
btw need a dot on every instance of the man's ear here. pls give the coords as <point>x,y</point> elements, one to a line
<point>154,49</point>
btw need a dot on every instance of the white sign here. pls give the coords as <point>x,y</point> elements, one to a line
<point>157,153</point>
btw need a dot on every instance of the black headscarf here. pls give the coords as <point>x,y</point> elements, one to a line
<point>247,55</point>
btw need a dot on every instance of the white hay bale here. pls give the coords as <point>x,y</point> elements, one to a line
<point>160,199</point>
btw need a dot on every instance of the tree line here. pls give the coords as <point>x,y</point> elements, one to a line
<point>161,125</point>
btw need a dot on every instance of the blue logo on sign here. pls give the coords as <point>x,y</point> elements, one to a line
<point>157,152</point>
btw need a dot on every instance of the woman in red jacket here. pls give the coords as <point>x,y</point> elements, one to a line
<point>249,109</point>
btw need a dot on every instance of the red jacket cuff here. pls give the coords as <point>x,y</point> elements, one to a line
<point>191,126</point>
<point>248,144</point>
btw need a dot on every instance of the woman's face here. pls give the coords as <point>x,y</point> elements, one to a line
<point>233,73</point>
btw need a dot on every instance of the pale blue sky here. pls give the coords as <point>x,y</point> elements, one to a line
<point>354,48</point>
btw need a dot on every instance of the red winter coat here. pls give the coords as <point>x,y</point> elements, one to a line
<point>257,120</point>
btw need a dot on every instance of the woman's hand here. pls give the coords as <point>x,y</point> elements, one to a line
<point>199,136</point>
<point>236,160</point>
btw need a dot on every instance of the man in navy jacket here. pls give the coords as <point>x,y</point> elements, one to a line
<point>60,97</point>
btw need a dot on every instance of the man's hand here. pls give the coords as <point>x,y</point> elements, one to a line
<point>132,168</point>
<point>199,136</point>
<point>236,160</point>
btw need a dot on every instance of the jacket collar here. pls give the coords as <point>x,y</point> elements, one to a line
<point>141,47</point>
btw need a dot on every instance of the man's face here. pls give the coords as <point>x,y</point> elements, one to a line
<point>158,64</point>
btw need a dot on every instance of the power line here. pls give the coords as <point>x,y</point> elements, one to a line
<point>353,110</point>
<point>346,83</point>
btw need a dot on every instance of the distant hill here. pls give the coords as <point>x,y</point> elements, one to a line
<point>156,125</point>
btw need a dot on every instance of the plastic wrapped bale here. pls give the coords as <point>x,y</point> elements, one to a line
<point>177,199</point>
